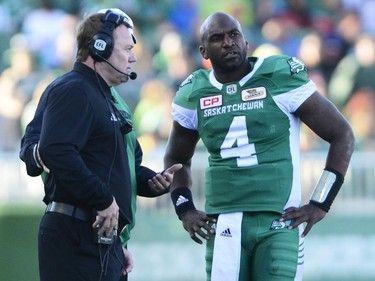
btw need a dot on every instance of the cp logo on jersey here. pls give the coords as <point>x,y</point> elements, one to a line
<point>209,102</point>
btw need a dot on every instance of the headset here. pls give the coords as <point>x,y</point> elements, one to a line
<point>101,44</point>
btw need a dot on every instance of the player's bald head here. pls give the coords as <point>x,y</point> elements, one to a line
<point>216,20</point>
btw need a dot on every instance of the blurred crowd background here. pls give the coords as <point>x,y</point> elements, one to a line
<point>334,38</point>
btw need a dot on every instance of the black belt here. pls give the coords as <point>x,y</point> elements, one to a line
<point>70,210</point>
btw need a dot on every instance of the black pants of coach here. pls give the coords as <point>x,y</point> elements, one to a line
<point>67,251</point>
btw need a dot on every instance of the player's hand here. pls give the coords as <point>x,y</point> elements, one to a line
<point>129,262</point>
<point>197,223</point>
<point>107,219</point>
<point>308,213</point>
<point>160,182</point>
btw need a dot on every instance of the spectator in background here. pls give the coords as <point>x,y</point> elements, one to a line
<point>153,20</point>
<point>171,60</point>
<point>152,114</point>
<point>183,15</point>
<point>360,111</point>
<point>261,19</point>
<point>16,83</point>
<point>31,105</point>
<point>365,10</point>
<point>42,28</point>
<point>354,72</point>
<point>364,51</point>
<point>7,28</point>
<point>352,88</point>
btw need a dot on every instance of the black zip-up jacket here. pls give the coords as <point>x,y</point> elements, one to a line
<point>81,143</point>
<point>32,136</point>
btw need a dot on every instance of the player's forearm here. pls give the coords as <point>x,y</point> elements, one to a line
<point>340,151</point>
<point>332,178</point>
<point>182,178</point>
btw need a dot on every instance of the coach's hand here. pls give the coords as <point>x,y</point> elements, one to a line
<point>107,219</point>
<point>308,213</point>
<point>197,222</point>
<point>161,182</point>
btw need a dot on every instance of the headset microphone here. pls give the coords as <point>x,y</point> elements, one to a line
<point>131,75</point>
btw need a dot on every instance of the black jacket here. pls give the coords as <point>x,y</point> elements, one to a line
<point>82,145</point>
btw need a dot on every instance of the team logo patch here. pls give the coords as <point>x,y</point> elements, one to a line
<point>187,80</point>
<point>276,224</point>
<point>296,65</point>
<point>209,102</point>
<point>254,94</point>
<point>232,89</point>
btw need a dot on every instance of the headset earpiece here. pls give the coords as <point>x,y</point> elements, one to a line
<point>101,44</point>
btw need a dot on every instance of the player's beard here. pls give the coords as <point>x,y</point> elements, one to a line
<point>230,67</point>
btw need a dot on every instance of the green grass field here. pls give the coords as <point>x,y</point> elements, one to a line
<point>337,249</point>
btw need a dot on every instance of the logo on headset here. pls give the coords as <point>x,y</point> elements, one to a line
<point>100,45</point>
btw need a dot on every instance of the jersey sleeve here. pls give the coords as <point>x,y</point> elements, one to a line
<point>291,78</point>
<point>185,117</point>
<point>184,108</point>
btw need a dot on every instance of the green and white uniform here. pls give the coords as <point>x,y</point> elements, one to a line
<point>250,132</point>
<point>130,149</point>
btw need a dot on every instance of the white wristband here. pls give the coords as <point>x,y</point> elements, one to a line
<point>326,189</point>
<point>323,187</point>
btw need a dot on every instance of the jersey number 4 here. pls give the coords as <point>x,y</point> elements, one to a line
<point>236,144</point>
